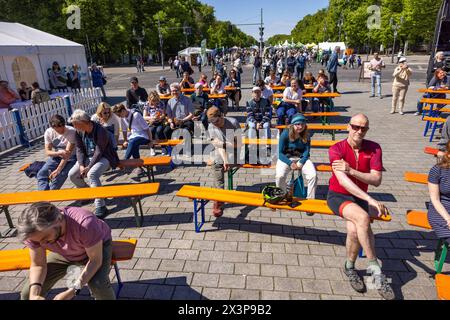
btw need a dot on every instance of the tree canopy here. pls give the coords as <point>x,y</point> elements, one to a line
<point>109,24</point>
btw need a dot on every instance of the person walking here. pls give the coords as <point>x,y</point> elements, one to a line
<point>257,64</point>
<point>375,66</point>
<point>400,85</point>
<point>176,65</point>
<point>333,64</point>
<point>199,63</point>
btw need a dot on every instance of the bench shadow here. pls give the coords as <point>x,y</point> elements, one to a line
<point>150,220</point>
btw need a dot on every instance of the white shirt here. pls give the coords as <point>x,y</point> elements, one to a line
<point>112,121</point>
<point>59,141</point>
<point>139,127</point>
<point>290,94</point>
<point>267,92</point>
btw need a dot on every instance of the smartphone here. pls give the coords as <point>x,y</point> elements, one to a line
<point>294,204</point>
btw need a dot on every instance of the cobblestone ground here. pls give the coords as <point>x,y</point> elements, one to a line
<point>254,253</point>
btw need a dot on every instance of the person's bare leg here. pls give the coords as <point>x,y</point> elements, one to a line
<point>352,243</point>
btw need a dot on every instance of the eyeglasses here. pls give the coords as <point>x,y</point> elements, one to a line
<point>357,128</point>
<point>215,120</point>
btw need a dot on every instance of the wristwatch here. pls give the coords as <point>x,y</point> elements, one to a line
<point>76,286</point>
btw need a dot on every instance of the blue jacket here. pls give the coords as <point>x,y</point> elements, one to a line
<point>288,149</point>
<point>97,78</point>
<point>333,64</point>
<point>258,111</point>
<point>301,62</point>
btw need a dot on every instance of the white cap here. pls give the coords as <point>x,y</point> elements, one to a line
<point>402,59</point>
<point>256,89</point>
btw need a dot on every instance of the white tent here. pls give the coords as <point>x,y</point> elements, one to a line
<point>332,45</point>
<point>192,51</point>
<point>26,54</point>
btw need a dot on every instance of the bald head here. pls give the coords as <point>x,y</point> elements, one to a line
<point>360,117</point>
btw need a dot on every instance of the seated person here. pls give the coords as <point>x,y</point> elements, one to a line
<point>309,80</point>
<point>294,154</point>
<point>218,87</point>
<point>321,87</point>
<point>74,237</point>
<point>108,120</point>
<point>291,104</point>
<point>38,95</point>
<point>438,182</point>
<point>60,142</point>
<point>234,95</point>
<point>155,115</point>
<point>267,92</point>
<point>258,115</point>
<point>203,80</point>
<point>200,103</point>
<point>286,79</point>
<point>438,82</point>
<point>187,82</point>
<point>24,91</point>
<point>321,72</point>
<point>223,161</point>
<point>272,80</point>
<point>95,155</point>
<point>7,95</point>
<point>179,112</point>
<point>162,88</point>
<point>136,95</point>
<point>135,130</point>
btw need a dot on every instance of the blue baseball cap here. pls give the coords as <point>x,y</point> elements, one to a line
<point>298,119</point>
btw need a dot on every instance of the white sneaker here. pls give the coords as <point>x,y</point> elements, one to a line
<point>152,152</point>
<point>401,112</point>
<point>417,113</point>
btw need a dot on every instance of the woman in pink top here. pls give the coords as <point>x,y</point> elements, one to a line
<point>7,96</point>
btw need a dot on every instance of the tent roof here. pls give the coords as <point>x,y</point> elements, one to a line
<point>192,50</point>
<point>16,39</point>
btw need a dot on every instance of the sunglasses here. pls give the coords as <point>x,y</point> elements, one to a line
<point>357,128</point>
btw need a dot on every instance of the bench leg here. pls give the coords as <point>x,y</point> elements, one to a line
<point>150,173</point>
<point>138,214</point>
<point>11,231</point>
<point>198,226</point>
<point>119,280</point>
<point>231,173</point>
<point>440,255</point>
<point>427,126</point>
<point>169,151</point>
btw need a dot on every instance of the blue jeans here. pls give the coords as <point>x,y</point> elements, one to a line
<point>263,134</point>
<point>133,147</point>
<point>50,165</point>
<point>256,74</point>
<point>285,109</point>
<point>377,78</point>
<point>158,132</point>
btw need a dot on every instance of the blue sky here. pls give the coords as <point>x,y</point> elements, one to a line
<point>279,16</point>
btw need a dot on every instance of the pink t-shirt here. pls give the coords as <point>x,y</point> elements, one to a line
<point>83,230</point>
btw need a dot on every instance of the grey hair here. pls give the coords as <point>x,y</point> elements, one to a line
<point>79,116</point>
<point>438,54</point>
<point>175,85</point>
<point>39,216</point>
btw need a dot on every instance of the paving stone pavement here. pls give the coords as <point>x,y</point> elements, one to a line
<point>254,253</point>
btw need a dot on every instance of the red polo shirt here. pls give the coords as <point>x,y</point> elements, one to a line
<point>370,158</point>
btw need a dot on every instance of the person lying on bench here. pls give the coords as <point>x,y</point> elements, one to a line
<point>60,142</point>
<point>438,182</point>
<point>357,163</point>
<point>95,155</point>
<point>258,115</point>
<point>136,131</point>
<point>78,242</point>
<point>221,129</point>
<point>293,154</point>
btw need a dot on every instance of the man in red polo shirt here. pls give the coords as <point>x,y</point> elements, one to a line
<point>357,163</point>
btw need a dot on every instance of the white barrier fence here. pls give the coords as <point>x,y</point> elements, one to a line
<point>34,119</point>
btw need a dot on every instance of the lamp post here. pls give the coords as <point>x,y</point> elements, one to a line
<point>340,23</point>
<point>161,42</point>
<point>395,27</point>
<point>324,32</point>
<point>139,39</point>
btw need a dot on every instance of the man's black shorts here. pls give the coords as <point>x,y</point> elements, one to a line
<point>338,201</point>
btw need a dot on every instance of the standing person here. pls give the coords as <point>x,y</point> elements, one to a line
<point>185,66</point>
<point>291,104</point>
<point>170,63</point>
<point>332,67</point>
<point>74,78</point>
<point>294,154</point>
<point>74,237</point>
<point>58,79</point>
<point>135,130</point>
<point>176,65</point>
<point>357,163</point>
<point>98,79</point>
<point>291,62</point>
<point>280,67</point>
<point>60,141</point>
<point>258,115</point>
<point>199,63</point>
<point>7,96</point>
<point>257,64</point>
<point>223,132</point>
<point>95,155</point>
<point>108,120</point>
<point>400,85</point>
<point>375,66</point>
<point>179,112</point>
<point>138,64</point>
<point>135,94</point>
<point>300,66</point>
<point>24,91</point>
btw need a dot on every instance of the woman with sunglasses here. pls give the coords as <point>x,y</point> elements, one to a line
<point>293,154</point>
<point>108,120</point>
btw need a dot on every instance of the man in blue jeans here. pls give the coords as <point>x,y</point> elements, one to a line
<point>258,115</point>
<point>333,64</point>
<point>375,66</point>
<point>59,145</point>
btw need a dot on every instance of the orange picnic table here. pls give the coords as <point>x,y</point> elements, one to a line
<point>424,90</point>
<point>210,96</point>
<point>313,95</point>
<point>192,90</point>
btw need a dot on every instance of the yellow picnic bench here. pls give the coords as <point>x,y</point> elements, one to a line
<point>419,219</point>
<point>324,127</point>
<point>443,286</point>
<point>425,90</point>
<point>202,195</point>
<point>133,191</point>
<point>414,177</point>
<point>122,250</point>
